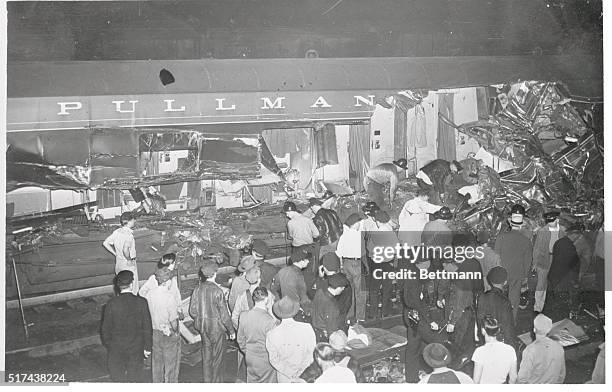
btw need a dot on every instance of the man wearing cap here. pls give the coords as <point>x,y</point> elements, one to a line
<point>126,331</point>
<point>168,262</point>
<point>542,255</point>
<point>330,266</point>
<point>438,234</point>
<point>252,330</point>
<point>260,250</point>
<point>414,216</point>
<point>543,359</point>
<point>438,357</point>
<point>349,250</point>
<point>289,281</point>
<point>301,231</point>
<point>515,252</point>
<point>211,317</point>
<point>434,176</point>
<point>380,175</point>
<point>290,344</point>
<point>245,302</point>
<point>122,245</point>
<point>329,225</point>
<point>494,302</point>
<point>326,316</point>
<point>165,319</point>
<point>239,283</point>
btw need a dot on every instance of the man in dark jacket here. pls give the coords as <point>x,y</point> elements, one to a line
<point>461,307</point>
<point>210,313</point>
<point>326,317</point>
<point>289,281</point>
<point>329,225</point>
<point>495,303</point>
<point>434,177</point>
<point>260,251</point>
<point>127,331</point>
<point>330,266</point>
<point>421,329</point>
<point>565,265</point>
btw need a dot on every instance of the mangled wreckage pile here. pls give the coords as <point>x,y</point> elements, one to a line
<point>554,160</point>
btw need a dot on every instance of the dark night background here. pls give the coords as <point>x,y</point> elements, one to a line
<point>45,31</point>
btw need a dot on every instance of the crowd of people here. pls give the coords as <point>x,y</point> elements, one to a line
<point>285,320</point>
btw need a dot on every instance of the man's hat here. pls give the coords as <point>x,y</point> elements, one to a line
<point>339,341</point>
<point>403,163</point>
<point>381,216</point>
<point>497,275</point>
<point>247,263</point>
<point>253,275</point>
<point>542,323</point>
<point>313,201</point>
<point>551,216</point>
<point>436,355</point>
<point>163,275</point>
<point>337,280</point>
<point>331,262</point>
<point>260,247</point>
<point>209,269</point>
<point>443,213</point>
<point>286,308</point>
<point>125,278</point>
<point>289,206</point>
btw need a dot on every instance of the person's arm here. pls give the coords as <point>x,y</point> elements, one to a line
<point>177,294</point>
<point>524,373</point>
<point>109,243</point>
<point>313,229</point>
<point>224,315</point>
<point>240,336</point>
<point>512,376</point>
<point>477,372</point>
<point>147,326</point>
<point>238,309</point>
<point>107,325</point>
<point>194,304</point>
<point>132,248</point>
<point>393,180</point>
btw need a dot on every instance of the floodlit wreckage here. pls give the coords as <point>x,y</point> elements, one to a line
<point>537,149</point>
<point>556,160</point>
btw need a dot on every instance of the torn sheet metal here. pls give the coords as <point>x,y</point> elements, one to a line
<point>557,158</point>
<point>119,159</point>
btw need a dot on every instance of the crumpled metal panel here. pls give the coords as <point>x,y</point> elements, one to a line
<point>569,178</point>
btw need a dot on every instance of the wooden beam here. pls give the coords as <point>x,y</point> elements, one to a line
<point>58,348</point>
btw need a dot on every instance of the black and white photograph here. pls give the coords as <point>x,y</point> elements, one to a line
<point>304,191</point>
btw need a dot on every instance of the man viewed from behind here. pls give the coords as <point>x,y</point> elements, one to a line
<point>543,359</point>
<point>126,331</point>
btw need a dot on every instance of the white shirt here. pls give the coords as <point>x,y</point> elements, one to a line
<point>290,346</point>
<point>163,307</point>
<point>123,241</point>
<point>421,174</point>
<point>414,214</point>
<point>496,359</point>
<point>151,283</point>
<point>554,236</point>
<point>349,244</point>
<point>337,374</point>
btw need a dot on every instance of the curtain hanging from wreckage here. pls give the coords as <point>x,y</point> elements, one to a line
<point>115,159</point>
